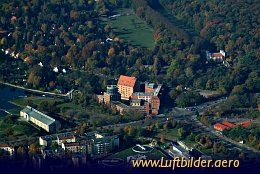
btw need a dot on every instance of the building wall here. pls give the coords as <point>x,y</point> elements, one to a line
<point>10,150</point>
<point>148,90</point>
<point>155,103</point>
<point>106,98</point>
<point>146,98</point>
<point>43,142</point>
<point>25,115</point>
<point>48,128</point>
<point>121,109</point>
<point>125,91</point>
<point>111,97</point>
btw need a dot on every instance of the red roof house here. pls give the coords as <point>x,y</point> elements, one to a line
<point>226,123</point>
<point>220,127</point>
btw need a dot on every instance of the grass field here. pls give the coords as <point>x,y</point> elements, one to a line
<point>171,133</point>
<point>18,130</point>
<point>36,100</point>
<point>132,29</point>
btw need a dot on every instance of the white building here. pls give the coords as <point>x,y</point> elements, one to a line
<point>216,56</point>
<point>40,119</point>
<point>7,148</point>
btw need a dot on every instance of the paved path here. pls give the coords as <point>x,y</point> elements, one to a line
<point>36,91</point>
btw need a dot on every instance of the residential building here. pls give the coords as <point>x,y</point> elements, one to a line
<point>84,147</point>
<point>136,102</point>
<point>66,138</point>
<point>143,108</point>
<point>220,127</point>
<point>121,107</point>
<point>111,94</point>
<point>92,144</point>
<point>151,98</point>
<point>231,125</point>
<point>127,86</point>
<point>245,124</point>
<point>216,56</point>
<point>152,88</point>
<point>137,106</point>
<point>40,119</point>
<point>7,148</point>
<point>142,96</point>
<point>60,138</point>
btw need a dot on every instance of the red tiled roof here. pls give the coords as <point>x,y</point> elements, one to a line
<point>216,55</point>
<point>220,126</point>
<point>246,123</point>
<point>228,124</point>
<point>155,97</point>
<point>5,145</point>
<point>126,81</point>
<point>27,59</point>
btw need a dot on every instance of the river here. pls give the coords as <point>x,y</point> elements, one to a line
<point>6,94</point>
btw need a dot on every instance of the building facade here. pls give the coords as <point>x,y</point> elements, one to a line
<point>111,94</point>
<point>40,119</point>
<point>127,86</point>
<point>7,148</point>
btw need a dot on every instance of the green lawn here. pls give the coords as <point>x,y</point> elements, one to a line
<point>15,111</point>
<point>35,99</point>
<point>171,133</point>
<point>132,29</point>
<point>71,105</point>
<point>19,130</point>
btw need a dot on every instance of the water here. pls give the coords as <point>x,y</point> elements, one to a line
<point>6,94</point>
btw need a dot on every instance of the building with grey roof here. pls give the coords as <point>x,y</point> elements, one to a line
<point>40,119</point>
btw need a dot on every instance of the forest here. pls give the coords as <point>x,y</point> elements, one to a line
<point>70,35</point>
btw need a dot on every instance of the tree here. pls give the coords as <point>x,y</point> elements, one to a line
<point>8,131</point>
<point>43,105</point>
<point>182,132</point>
<point>54,145</point>
<point>20,151</point>
<point>165,127</point>
<point>242,156</point>
<point>32,149</point>
<point>162,139</point>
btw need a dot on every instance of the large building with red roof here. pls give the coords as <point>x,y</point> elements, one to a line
<point>231,125</point>
<point>127,86</point>
<point>227,125</point>
<point>246,123</point>
<point>220,127</point>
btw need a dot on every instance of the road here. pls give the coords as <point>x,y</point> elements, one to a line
<point>185,114</point>
<point>180,114</point>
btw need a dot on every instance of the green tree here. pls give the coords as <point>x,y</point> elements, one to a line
<point>32,149</point>
<point>20,151</point>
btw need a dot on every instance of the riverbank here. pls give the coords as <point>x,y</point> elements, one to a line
<point>35,91</point>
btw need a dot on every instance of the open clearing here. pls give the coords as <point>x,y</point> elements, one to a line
<point>132,29</point>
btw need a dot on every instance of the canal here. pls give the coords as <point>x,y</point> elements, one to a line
<point>6,94</point>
